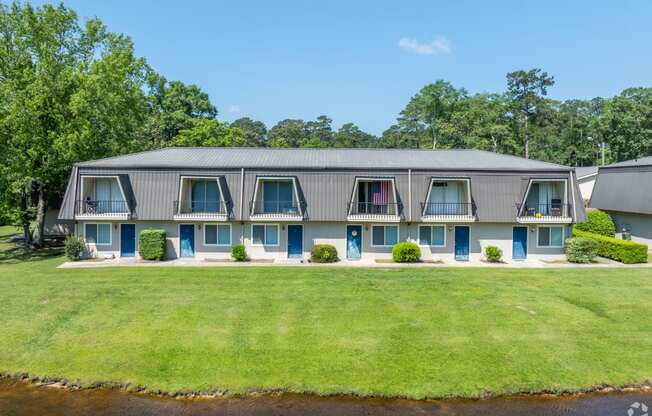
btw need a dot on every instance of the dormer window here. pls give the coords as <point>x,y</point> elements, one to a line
<point>101,196</point>
<point>201,198</point>
<point>374,199</point>
<point>448,199</point>
<point>276,198</point>
<point>545,201</point>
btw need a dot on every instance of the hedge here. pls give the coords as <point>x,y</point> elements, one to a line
<point>74,247</point>
<point>238,252</point>
<point>151,244</point>
<point>493,254</point>
<point>406,252</point>
<point>323,253</point>
<point>581,249</point>
<point>624,251</point>
<point>598,222</point>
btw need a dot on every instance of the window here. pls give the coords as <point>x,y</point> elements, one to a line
<point>550,237</point>
<point>217,235</point>
<point>432,235</point>
<point>278,197</point>
<point>205,196</point>
<point>98,234</point>
<point>264,234</point>
<point>384,235</point>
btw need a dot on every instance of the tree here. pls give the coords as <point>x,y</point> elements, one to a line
<point>173,106</point>
<point>526,89</point>
<point>484,123</point>
<point>350,135</point>
<point>68,93</point>
<point>254,132</point>
<point>428,113</point>
<point>209,132</point>
<point>288,133</point>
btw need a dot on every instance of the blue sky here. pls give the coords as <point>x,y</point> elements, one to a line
<point>361,61</point>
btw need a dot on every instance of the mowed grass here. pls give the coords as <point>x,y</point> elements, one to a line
<point>392,332</point>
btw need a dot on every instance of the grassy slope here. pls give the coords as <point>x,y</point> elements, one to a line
<point>410,332</point>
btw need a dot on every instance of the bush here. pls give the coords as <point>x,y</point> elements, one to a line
<point>581,249</point>
<point>406,252</point>
<point>74,247</point>
<point>323,253</point>
<point>598,222</point>
<point>493,254</point>
<point>151,244</point>
<point>238,252</point>
<point>624,251</point>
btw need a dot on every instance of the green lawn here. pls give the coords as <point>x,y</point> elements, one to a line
<point>407,332</point>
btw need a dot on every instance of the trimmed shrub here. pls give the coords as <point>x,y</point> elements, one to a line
<point>493,254</point>
<point>598,222</point>
<point>151,244</point>
<point>74,247</point>
<point>323,253</point>
<point>624,251</point>
<point>406,252</point>
<point>581,249</point>
<point>238,252</point>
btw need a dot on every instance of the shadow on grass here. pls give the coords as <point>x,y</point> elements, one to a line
<point>13,251</point>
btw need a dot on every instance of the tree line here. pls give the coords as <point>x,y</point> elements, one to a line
<point>73,91</point>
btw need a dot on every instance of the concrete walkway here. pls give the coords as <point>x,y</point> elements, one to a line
<point>132,262</point>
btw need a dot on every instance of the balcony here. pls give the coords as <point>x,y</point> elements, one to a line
<point>447,212</point>
<point>275,210</point>
<point>202,210</point>
<point>374,212</point>
<point>553,213</point>
<point>90,209</point>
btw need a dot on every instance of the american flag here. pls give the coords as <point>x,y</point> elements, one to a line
<point>380,193</point>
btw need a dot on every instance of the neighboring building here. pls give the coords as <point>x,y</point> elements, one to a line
<point>624,190</point>
<point>586,179</point>
<point>280,202</point>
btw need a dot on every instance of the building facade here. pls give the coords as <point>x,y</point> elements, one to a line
<point>281,202</point>
<point>623,190</point>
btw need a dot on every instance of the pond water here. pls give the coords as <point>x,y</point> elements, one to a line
<point>19,399</point>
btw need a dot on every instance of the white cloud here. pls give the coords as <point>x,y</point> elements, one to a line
<point>439,45</point>
<point>234,108</point>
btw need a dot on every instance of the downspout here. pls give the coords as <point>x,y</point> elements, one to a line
<point>409,201</point>
<point>242,173</point>
<point>572,175</point>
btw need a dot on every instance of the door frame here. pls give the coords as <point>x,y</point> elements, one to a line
<point>346,239</point>
<point>527,240</point>
<point>194,237</point>
<point>455,242</point>
<point>287,239</point>
<point>120,238</point>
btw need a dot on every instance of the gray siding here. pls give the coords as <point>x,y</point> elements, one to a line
<point>623,189</point>
<point>67,210</point>
<point>326,193</point>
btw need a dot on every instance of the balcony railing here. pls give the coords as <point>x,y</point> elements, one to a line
<point>100,208</point>
<point>274,209</point>
<point>549,212</point>
<point>199,209</point>
<point>447,208</point>
<point>370,208</point>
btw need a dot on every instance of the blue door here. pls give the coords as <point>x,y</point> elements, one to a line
<point>519,243</point>
<point>353,242</point>
<point>462,243</point>
<point>187,238</point>
<point>295,241</point>
<point>127,240</point>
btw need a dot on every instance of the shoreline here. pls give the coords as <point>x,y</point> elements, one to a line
<point>128,388</point>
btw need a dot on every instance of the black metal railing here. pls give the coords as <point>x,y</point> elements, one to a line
<point>548,210</point>
<point>262,207</point>
<point>461,209</point>
<point>371,208</point>
<point>199,208</point>
<point>100,207</point>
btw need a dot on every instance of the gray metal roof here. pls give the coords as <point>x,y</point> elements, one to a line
<point>307,158</point>
<point>585,171</point>
<point>643,161</point>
